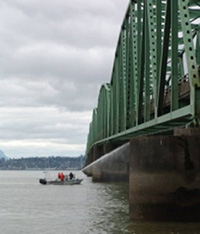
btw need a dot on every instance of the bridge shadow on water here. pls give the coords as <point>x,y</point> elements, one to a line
<point>123,223</point>
<point>113,215</point>
<point>163,228</point>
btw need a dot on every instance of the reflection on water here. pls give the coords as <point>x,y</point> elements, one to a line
<point>112,209</point>
<point>164,228</point>
<point>89,208</point>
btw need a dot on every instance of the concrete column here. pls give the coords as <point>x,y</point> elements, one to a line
<point>164,178</point>
<point>89,157</point>
<point>97,152</point>
<point>108,147</point>
<point>111,167</point>
<point>187,132</point>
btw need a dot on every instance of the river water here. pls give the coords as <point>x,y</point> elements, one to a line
<point>26,207</point>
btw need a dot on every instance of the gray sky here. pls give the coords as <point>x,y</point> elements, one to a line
<point>54,56</point>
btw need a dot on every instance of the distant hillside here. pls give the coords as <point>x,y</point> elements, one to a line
<point>41,163</point>
<point>2,155</point>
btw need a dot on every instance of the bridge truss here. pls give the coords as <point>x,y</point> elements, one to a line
<point>155,83</point>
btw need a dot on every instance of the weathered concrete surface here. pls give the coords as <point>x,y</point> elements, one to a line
<point>113,166</point>
<point>98,151</point>
<point>187,132</point>
<point>95,153</point>
<point>164,179</point>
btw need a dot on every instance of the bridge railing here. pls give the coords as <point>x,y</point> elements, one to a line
<point>155,83</point>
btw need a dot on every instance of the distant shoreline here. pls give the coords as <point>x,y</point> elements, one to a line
<point>42,163</point>
<point>42,169</point>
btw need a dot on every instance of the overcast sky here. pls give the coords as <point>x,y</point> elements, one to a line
<point>54,56</point>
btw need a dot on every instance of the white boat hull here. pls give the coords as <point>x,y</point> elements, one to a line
<point>58,182</point>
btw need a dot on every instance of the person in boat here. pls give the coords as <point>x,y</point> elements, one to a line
<point>71,175</point>
<point>62,177</point>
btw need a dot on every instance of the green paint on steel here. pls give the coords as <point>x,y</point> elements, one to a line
<point>155,82</point>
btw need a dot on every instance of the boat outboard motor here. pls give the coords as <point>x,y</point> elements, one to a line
<point>43,181</point>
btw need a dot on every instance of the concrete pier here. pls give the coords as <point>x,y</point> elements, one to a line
<point>113,166</point>
<point>164,178</point>
<point>163,174</point>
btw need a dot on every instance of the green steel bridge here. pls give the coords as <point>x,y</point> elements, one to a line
<point>155,82</point>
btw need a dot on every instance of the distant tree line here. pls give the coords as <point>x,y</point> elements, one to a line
<point>40,163</point>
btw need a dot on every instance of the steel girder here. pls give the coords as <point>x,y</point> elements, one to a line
<point>155,83</point>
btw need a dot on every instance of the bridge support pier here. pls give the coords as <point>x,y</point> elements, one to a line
<point>113,166</point>
<point>164,177</point>
<point>108,147</point>
<point>95,153</point>
<point>89,158</point>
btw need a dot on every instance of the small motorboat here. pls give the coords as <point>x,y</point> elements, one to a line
<point>61,180</point>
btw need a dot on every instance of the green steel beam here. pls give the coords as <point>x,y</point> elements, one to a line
<point>123,81</point>
<point>174,55</point>
<point>155,83</point>
<point>198,48</point>
<point>128,66</point>
<point>188,42</point>
<point>141,73</point>
<point>133,63</point>
<point>153,49</point>
<point>164,57</point>
<point>147,71</point>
